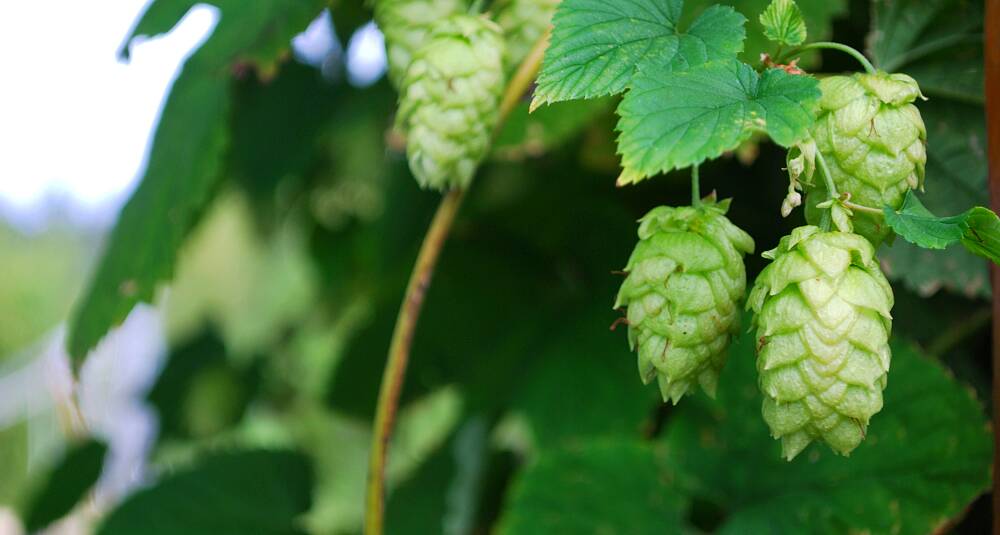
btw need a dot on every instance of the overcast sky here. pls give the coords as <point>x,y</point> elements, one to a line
<point>75,121</point>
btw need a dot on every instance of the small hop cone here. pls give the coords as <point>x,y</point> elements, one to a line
<point>683,291</point>
<point>523,23</point>
<point>873,140</point>
<point>822,318</point>
<point>449,100</point>
<point>406,25</point>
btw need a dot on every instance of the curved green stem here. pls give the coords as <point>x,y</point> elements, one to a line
<point>836,46</point>
<point>409,312</point>
<point>695,187</point>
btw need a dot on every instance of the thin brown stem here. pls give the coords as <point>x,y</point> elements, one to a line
<point>409,312</point>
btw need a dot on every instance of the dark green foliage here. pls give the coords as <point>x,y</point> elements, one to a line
<point>225,494</point>
<point>67,484</point>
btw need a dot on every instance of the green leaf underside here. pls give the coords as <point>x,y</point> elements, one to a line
<point>978,229</point>
<point>783,23</point>
<point>671,120</point>
<point>186,157</point>
<point>597,45</point>
<point>226,494</point>
<point>67,484</point>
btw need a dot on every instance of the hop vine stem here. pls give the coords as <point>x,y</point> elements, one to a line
<point>409,312</point>
<point>991,52</point>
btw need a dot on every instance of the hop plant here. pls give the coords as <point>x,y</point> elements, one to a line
<point>449,100</point>
<point>873,140</point>
<point>683,290</point>
<point>523,23</point>
<point>406,25</point>
<point>822,314</point>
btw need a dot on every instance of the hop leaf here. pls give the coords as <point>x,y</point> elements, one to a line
<point>873,139</point>
<point>685,281</point>
<point>822,314</point>
<point>449,100</point>
<point>523,23</point>
<point>406,25</point>
<point>782,21</point>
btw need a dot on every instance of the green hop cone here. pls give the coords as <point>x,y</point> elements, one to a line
<point>449,100</point>
<point>406,25</point>
<point>523,23</point>
<point>873,140</point>
<point>822,319</point>
<point>683,290</point>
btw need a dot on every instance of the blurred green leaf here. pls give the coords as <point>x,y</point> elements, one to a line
<point>586,371</point>
<point>612,486</point>
<point>510,274</point>
<point>443,495</point>
<point>926,457</point>
<point>533,134</point>
<point>938,42</point>
<point>66,485</point>
<point>14,453</point>
<point>200,393</point>
<point>186,158</point>
<point>233,493</point>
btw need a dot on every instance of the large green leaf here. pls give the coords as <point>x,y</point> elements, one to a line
<point>674,119</point>
<point>609,486</point>
<point>235,493</point>
<point>597,46</point>
<point>66,484</point>
<point>926,457</point>
<point>186,158</point>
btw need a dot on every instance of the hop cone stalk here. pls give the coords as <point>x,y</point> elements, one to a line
<point>449,100</point>
<point>523,23</point>
<point>683,290</point>
<point>406,25</point>
<point>873,140</point>
<point>822,319</point>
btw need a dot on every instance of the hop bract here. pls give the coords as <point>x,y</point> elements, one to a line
<point>406,25</point>
<point>822,318</point>
<point>873,140</point>
<point>449,100</point>
<point>685,282</point>
<point>523,23</point>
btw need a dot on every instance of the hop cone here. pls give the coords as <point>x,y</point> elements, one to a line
<point>822,318</point>
<point>685,281</point>
<point>873,140</point>
<point>406,24</point>
<point>449,100</point>
<point>523,23</point>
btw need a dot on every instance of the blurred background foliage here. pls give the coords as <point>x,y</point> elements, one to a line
<point>278,205</point>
